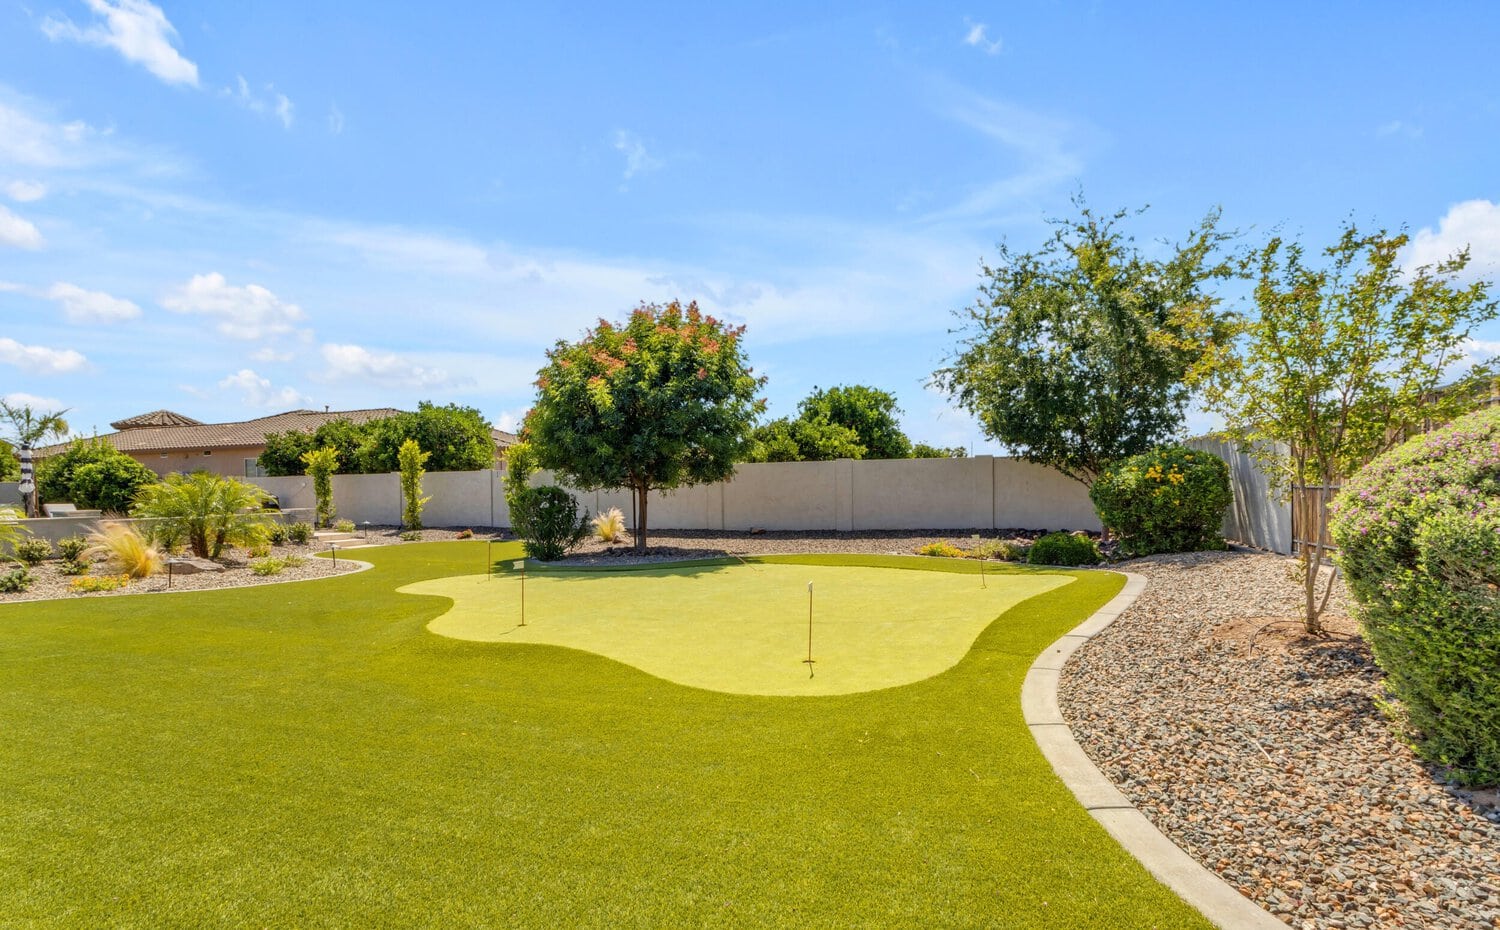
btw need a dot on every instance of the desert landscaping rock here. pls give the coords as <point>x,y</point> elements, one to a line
<point>1264,753</point>
<point>183,565</point>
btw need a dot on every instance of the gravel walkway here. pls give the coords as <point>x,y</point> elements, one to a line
<point>1263,754</point>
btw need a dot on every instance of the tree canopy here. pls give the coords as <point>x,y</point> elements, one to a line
<point>1078,355</point>
<point>92,474</point>
<point>870,412</point>
<point>457,439</point>
<point>665,400</point>
<point>788,440</point>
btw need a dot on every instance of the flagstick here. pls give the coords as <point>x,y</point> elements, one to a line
<point>809,660</point>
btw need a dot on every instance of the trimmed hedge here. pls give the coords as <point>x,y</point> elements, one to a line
<point>1418,532</point>
<point>1170,499</point>
<point>1064,549</point>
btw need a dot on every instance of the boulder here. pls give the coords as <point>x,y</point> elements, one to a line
<point>192,566</point>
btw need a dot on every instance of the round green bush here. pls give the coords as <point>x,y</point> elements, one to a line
<point>1418,533</point>
<point>1064,549</point>
<point>1170,499</point>
<point>91,474</point>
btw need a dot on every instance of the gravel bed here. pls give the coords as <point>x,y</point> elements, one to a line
<point>701,544</point>
<point>1263,753</point>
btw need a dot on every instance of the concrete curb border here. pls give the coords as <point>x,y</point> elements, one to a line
<point>1219,901</point>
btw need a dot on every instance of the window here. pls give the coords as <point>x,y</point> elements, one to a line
<point>253,469</point>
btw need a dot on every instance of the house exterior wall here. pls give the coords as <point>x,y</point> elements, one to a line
<point>227,461</point>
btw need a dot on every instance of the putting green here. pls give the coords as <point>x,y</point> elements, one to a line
<point>743,629</point>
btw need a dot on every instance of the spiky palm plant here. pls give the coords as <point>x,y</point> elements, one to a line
<point>10,530</point>
<point>206,511</point>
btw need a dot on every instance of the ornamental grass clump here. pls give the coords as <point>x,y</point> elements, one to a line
<point>1062,548</point>
<point>1418,534</point>
<point>1170,499</point>
<point>609,526</point>
<point>128,551</point>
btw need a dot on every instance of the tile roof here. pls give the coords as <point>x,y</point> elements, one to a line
<point>157,418</point>
<point>203,436</point>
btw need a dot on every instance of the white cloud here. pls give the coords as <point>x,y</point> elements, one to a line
<point>138,30</point>
<point>401,248</point>
<point>272,104</point>
<point>17,232</point>
<point>335,120</point>
<point>249,312</point>
<point>268,354</point>
<point>1472,224</point>
<point>1398,128</point>
<point>1482,348</point>
<point>25,191</point>
<point>509,420</point>
<point>343,361</point>
<point>81,306</point>
<point>40,359</point>
<point>978,37</point>
<point>637,159</point>
<point>38,404</point>
<point>256,391</point>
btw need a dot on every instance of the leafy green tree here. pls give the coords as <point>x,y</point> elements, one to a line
<point>1078,355</point>
<point>25,429</point>
<point>456,438</point>
<point>922,450</point>
<point>664,401</point>
<point>321,465</point>
<point>92,474</point>
<point>411,459</point>
<point>787,440</point>
<point>206,511</point>
<point>1341,361</point>
<point>284,451</point>
<point>870,412</point>
<point>10,463</point>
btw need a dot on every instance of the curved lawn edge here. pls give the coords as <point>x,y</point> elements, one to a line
<point>1200,887</point>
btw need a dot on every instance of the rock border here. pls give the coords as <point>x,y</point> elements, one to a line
<point>1215,898</point>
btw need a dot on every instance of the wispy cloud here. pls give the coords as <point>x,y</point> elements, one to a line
<point>81,306</point>
<point>40,360</point>
<point>138,30</point>
<point>256,391</point>
<point>1472,225</point>
<point>637,159</point>
<point>18,232</point>
<point>270,355</point>
<point>267,102</point>
<point>248,312</point>
<point>34,401</point>
<point>348,361</point>
<point>25,191</point>
<point>335,120</point>
<point>1398,128</point>
<point>977,36</point>
<point>408,248</point>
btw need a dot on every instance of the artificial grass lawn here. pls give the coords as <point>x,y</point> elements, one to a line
<point>741,627</point>
<point>309,755</point>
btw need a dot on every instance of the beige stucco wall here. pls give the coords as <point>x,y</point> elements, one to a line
<point>230,461</point>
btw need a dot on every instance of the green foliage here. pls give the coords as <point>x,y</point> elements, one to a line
<point>548,522</point>
<point>284,451</point>
<point>72,549</point>
<point>410,460</point>
<point>667,400</point>
<point>276,533</point>
<point>1419,543</point>
<point>207,511</point>
<point>344,526</point>
<point>787,440</point>
<point>922,450</point>
<point>300,533</point>
<point>92,584</point>
<point>1170,499</point>
<point>268,566</point>
<point>1003,549</point>
<point>458,439</point>
<point>321,465</point>
<point>1064,549</point>
<point>16,580</point>
<point>128,551</point>
<point>1076,356</point>
<point>32,551</point>
<point>941,549</point>
<point>411,536</point>
<point>10,529</point>
<point>10,462</point>
<point>1343,360</point>
<point>870,412</point>
<point>28,427</point>
<point>91,474</point>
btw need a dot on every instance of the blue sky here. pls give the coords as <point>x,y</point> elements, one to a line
<point>234,209</point>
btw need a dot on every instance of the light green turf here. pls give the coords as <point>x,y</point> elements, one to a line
<point>743,628</point>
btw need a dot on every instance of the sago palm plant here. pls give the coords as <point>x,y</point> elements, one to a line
<point>206,511</point>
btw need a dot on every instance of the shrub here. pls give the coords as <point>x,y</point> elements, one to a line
<point>344,526</point>
<point>276,533</point>
<point>548,522</point>
<point>71,548</point>
<point>128,551</point>
<point>942,549</point>
<point>300,532</point>
<point>1002,549</point>
<point>208,511</point>
<point>92,474</point>
<point>93,583</point>
<point>268,566</point>
<point>411,535</point>
<point>1170,499</point>
<point>609,526</point>
<point>10,529</point>
<point>74,567</point>
<point>1064,549</point>
<point>464,534</point>
<point>16,580</point>
<point>411,459</point>
<point>1418,533</point>
<point>33,551</point>
<point>321,464</point>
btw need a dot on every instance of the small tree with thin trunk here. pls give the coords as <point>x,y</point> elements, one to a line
<point>321,465</point>
<point>664,401</point>
<point>411,458</point>
<point>27,428</point>
<point>1340,363</point>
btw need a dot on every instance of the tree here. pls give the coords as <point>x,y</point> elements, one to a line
<point>870,412</point>
<point>10,463</point>
<point>28,427</point>
<point>1077,355</point>
<point>284,451</point>
<point>664,401</point>
<point>411,459</point>
<point>321,464</point>
<point>92,474</point>
<point>456,438</point>
<point>205,510</point>
<point>1342,362</point>
<point>922,450</point>
<point>786,440</point>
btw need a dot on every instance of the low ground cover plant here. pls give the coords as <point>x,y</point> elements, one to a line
<point>300,532</point>
<point>1418,535</point>
<point>32,552</point>
<point>275,565</point>
<point>1170,499</point>
<point>1002,549</point>
<point>73,549</point>
<point>1062,548</point>
<point>16,580</point>
<point>93,583</point>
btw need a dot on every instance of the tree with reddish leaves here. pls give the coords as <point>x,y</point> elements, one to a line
<point>666,400</point>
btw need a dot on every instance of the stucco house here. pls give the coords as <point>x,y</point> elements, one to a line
<point>165,441</point>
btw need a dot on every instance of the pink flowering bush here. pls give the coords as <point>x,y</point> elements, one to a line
<point>1418,532</point>
<point>1171,499</point>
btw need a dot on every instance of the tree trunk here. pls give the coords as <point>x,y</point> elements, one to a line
<point>1312,561</point>
<point>642,493</point>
